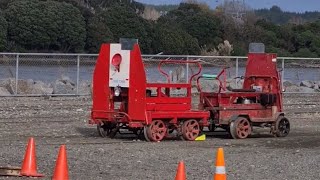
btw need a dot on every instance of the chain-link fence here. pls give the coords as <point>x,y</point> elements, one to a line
<point>37,74</point>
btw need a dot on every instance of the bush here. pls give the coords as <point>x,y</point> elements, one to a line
<point>45,25</point>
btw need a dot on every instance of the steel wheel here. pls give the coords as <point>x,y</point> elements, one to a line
<point>103,130</point>
<point>282,127</point>
<point>190,130</point>
<point>240,128</point>
<point>156,131</point>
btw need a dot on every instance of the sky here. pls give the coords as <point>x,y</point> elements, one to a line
<point>286,5</point>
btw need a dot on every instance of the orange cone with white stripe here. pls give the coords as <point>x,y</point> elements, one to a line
<point>181,172</point>
<point>220,173</point>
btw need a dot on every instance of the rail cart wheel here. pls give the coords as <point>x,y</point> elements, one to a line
<point>240,128</point>
<point>190,130</point>
<point>103,130</point>
<point>282,127</point>
<point>156,131</point>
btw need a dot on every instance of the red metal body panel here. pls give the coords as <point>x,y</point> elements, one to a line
<point>260,65</point>
<point>168,107</point>
<point>168,100</point>
<point>101,92</point>
<point>163,101</point>
<point>137,89</point>
<point>262,70</point>
<point>174,116</point>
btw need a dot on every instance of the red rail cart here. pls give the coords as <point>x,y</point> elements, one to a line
<point>122,97</point>
<point>257,104</point>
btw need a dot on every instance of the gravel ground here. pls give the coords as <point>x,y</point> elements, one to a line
<point>57,121</point>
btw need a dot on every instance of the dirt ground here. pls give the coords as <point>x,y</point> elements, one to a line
<point>63,120</point>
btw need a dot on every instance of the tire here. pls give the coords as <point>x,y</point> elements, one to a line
<point>103,131</point>
<point>282,127</point>
<point>156,131</point>
<point>190,130</point>
<point>240,128</point>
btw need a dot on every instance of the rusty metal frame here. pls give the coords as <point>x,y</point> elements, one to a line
<point>10,171</point>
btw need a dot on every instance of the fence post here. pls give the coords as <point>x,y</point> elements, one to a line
<point>78,73</point>
<point>17,74</point>
<point>282,73</point>
<point>237,70</point>
<point>187,73</point>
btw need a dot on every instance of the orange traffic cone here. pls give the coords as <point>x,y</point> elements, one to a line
<point>220,173</point>
<point>61,169</point>
<point>29,164</point>
<point>181,172</point>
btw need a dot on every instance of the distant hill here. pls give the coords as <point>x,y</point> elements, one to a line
<point>277,16</point>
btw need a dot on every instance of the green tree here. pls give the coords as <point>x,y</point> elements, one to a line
<point>305,39</point>
<point>44,25</point>
<point>72,29</point>
<point>3,32</point>
<point>98,33</point>
<point>205,27</point>
<point>286,38</point>
<point>173,40</point>
<point>4,3</point>
<point>125,23</point>
<point>305,52</point>
<point>200,23</point>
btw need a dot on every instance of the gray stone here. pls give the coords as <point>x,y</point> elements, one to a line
<point>287,83</point>
<point>66,80</point>
<point>4,82</point>
<point>85,87</point>
<point>40,87</point>
<point>299,89</point>
<point>10,85</point>
<point>4,92</point>
<point>317,83</point>
<point>25,86</point>
<point>308,84</point>
<point>316,86</point>
<point>60,87</point>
